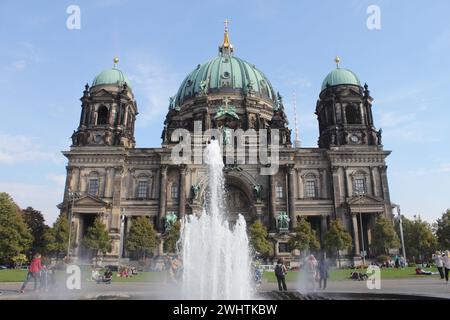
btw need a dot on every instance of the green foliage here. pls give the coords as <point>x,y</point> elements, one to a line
<point>443,230</point>
<point>36,224</point>
<point>15,238</point>
<point>305,237</point>
<point>420,242</point>
<point>258,238</point>
<point>336,238</point>
<point>142,238</point>
<point>384,236</point>
<point>56,238</point>
<point>19,260</point>
<point>97,238</point>
<point>172,237</point>
<point>382,258</point>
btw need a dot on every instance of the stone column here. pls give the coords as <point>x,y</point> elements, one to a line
<point>323,227</point>
<point>272,204</point>
<point>291,193</point>
<point>355,234</point>
<point>109,182</point>
<point>385,189</point>
<point>324,182</point>
<point>182,201</point>
<point>162,197</point>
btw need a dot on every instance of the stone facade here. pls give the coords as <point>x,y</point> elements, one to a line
<point>345,178</point>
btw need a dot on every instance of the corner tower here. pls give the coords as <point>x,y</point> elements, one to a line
<point>108,112</point>
<point>344,111</point>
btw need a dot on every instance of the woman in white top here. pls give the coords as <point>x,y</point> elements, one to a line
<point>437,258</point>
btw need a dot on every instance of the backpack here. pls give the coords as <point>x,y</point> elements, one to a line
<point>279,270</point>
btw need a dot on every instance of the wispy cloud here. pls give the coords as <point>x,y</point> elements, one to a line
<point>22,55</point>
<point>156,82</point>
<point>58,179</point>
<point>39,196</point>
<point>19,149</point>
<point>441,168</point>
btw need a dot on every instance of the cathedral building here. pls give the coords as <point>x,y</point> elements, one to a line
<point>344,178</point>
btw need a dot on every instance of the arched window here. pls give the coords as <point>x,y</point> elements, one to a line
<point>353,114</point>
<point>102,117</point>
<point>93,184</point>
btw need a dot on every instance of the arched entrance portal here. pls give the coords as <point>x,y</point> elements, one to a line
<point>238,198</point>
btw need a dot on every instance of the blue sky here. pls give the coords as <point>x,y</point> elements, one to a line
<point>45,66</point>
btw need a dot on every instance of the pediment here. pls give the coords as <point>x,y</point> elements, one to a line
<point>90,201</point>
<point>103,93</point>
<point>365,200</point>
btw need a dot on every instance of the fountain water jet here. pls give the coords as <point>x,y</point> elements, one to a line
<point>216,258</point>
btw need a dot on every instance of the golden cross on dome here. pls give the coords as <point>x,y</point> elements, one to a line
<point>226,24</point>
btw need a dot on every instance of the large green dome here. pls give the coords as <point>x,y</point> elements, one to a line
<point>340,76</point>
<point>111,76</point>
<point>225,73</point>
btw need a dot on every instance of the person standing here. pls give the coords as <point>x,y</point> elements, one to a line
<point>280,273</point>
<point>323,273</point>
<point>33,272</point>
<point>446,263</point>
<point>438,261</point>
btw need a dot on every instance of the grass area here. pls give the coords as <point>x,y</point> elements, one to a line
<point>11,275</point>
<point>344,274</point>
<point>335,275</point>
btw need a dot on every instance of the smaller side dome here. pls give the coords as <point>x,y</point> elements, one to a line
<point>340,77</point>
<point>111,76</point>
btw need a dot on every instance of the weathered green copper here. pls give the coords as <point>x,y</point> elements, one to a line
<point>111,76</point>
<point>340,76</point>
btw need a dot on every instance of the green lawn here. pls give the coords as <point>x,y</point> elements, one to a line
<point>335,275</point>
<point>20,275</point>
<point>344,274</point>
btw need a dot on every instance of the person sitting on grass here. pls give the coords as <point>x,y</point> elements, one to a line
<point>420,271</point>
<point>95,276</point>
<point>107,276</point>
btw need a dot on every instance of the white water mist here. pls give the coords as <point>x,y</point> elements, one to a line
<point>216,258</point>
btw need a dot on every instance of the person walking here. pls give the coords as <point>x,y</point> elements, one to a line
<point>446,263</point>
<point>280,273</point>
<point>438,261</point>
<point>323,273</point>
<point>33,272</point>
<point>311,269</point>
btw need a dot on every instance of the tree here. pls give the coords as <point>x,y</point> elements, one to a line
<point>337,239</point>
<point>443,230</point>
<point>15,238</point>
<point>36,224</point>
<point>258,238</point>
<point>384,236</point>
<point>142,238</point>
<point>172,237</point>
<point>97,238</point>
<point>305,237</point>
<point>420,242</point>
<point>56,238</point>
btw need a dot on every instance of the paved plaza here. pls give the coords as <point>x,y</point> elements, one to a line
<point>423,287</point>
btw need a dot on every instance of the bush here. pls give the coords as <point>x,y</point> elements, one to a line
<point>382,258</point>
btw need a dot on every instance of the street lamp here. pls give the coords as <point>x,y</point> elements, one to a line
<point>401,231</point>
<point>360,195</point>
<point>122,231</point>
<point>71,197</point>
